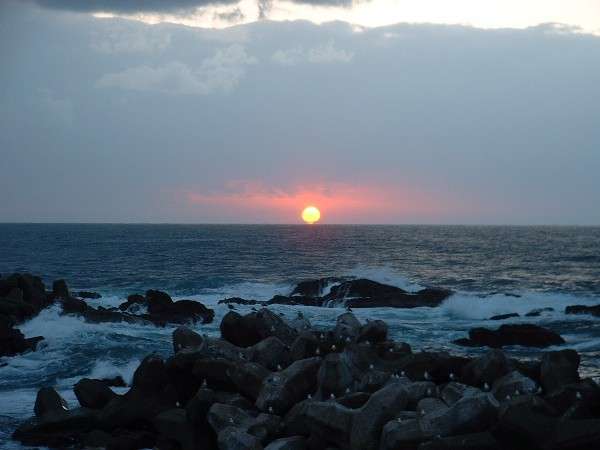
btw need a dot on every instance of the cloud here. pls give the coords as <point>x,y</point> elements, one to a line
<point>338,202</point>
<point>322,54</point>
<point>121,39</point>
<point>219,73</point>
<point>232,16</point>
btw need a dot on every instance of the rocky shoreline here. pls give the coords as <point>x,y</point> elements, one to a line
<point>270,382</point>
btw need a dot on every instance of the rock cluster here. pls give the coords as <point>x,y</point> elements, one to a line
<point>272,384</point>
<point>354,293</point>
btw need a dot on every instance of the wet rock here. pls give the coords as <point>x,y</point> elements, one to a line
<point>133,299</point>
<point>304,346</point>
<point>294,300</point>
<point>453,392</point>
<point>504,316</point>
<point>174,428</point>
<point>234,439</point>
<point>270,353</point>
<point>527,335</point>
<point>48,401</point>
<point>88,294</point>
<point>314,288</point>
<point>281,390</point>
<point>474,441</point>
<point>60,289</point>
<point>401,434</point>
<point>151,374</point>
<point>32,290</point>
<point>245,331</point>
<point>370,419</point>
<point>263,426</point>
<point>559,368</point>
<point>57,428</point>
<point>158,301</point>
<point>183,337</point>
<point>94,394</point>
<point>538,312</point>
<point>373,331</point>
<point>513,384</point>
<point>346,326</point>
<point>363,293</point>
<point>239,301</point>
<point>468,415</point>
<point>486,369</point>
<point>288,443</point>
<point>334,376</point>
<point>13,342</point>
<point>582,309</point>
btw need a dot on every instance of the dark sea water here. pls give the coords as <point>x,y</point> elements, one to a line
<point>536,267</point>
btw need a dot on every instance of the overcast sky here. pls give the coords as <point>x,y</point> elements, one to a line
<point>396,112</point>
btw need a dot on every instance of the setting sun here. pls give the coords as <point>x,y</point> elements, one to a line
<point>311,214</point>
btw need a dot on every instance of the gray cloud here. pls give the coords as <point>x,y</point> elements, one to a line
<point>320,54</point>
<point>219,73</point>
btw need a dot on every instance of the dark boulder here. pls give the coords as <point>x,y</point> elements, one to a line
<point>527,335</point>
<point>363,293</point>
<point>281,390</point>
<point>32,290</point>
<point>314,288</point>
<point>538,312</point>
<point>174,429</point>
<point>504,316</point>
<point>583,309</point>
<point>270,353</point>
<point>245,331</point>
<point>373,331</point>
<point>288,443</point>
<point>558,369</point>
<point>133,299</point>
<point>158,301</point>
<point>334,376</point>
<point>474,441</point>
<point>486,369</point>
<point>94,394</point>
<point>183,337</point>
<point>347,326</point>
<point>48,401</point>
<point>12,341</point>
<point>294,300</point>
<point>304,346</point>
<point>60,289</point>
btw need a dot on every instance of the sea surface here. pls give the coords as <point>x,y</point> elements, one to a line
<point>492,270</point>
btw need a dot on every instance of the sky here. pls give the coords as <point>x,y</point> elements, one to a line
<point>381,111</point>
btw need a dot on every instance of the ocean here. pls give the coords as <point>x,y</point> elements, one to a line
<point>491,269</point>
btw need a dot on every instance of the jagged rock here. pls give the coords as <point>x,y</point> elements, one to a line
<point>183,337</point>
<point>314,288</point>
<point>248,378</point>
<point>32,290</point>
<point>370,419</point>
<point>234,439</point>
<point>173,427</point>
<point>346,326</point>
<point>474,441</point>
<point>151,374</point>
<point>238,301</point>
<point>354,400</point>
<point>453,392</point>
<point>88,294</point>
<point>13,342</point>
<point>245,331</point>
<point>133,299</point>
<point>504,316</point>
<point>401,434</point>
<point>559,368</point>
<point>327,422</point>
<point>373,331</point>
<point>60,289</point>
<point>304,346</point>
<point>538,312</point>
<point>513,384</point>
<point>527,335</point>
<point>468,415</point>
<point>486,369</point>
<point>57,428</point>
<point>334,376</point>
<point>158,301</point>
<point>363,293</point>
<point>294,300</point>
<point>94,394</point>
<point>270,353</point>
<point>582,309</point>
<point>288,443</point>
<point>263,426</point>
<point>49,401</point>
<point>281,390</point>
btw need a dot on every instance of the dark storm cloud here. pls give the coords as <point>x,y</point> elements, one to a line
<point>163,6</point>
<point>129,6</point>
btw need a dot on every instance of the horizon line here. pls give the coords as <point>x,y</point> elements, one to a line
<point>310,225</point>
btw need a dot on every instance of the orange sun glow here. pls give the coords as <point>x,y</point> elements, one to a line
<point>311,214</point>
